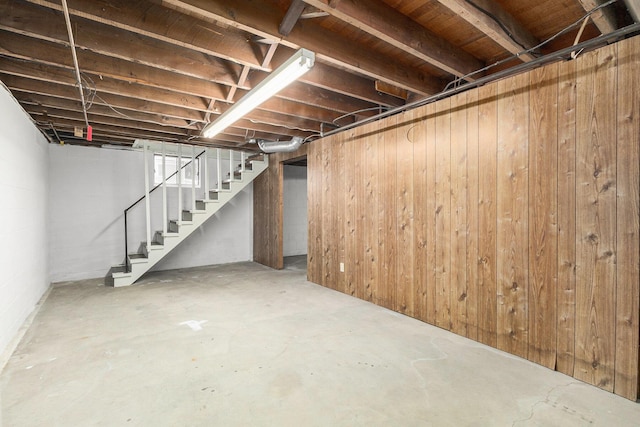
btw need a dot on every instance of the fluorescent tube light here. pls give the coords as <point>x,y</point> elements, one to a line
<point>287,73</point>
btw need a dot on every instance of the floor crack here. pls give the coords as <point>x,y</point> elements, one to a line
<point>545,400</point>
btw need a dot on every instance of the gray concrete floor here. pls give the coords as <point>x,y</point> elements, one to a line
<point>240,345</point>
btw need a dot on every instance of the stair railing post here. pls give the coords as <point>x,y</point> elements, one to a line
<point>231,165</point>
<point>243,159</point>
<point>206,173</point>
<point>179,176</point>
<point>164,189</point>
<point>146,194</point>
<point>219,169</point>
<point>193,177</point>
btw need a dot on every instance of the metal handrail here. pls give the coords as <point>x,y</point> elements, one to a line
<point>126,246</point>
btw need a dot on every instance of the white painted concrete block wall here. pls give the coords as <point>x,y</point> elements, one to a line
<point>295,210</point>
<point>23,217</point>
<point>89,190</point>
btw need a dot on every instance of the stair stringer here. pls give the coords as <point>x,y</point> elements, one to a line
<point>142,263</point>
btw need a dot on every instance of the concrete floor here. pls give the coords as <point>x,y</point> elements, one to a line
<point>240,345</point>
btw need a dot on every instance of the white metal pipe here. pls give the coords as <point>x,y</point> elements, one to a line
<point>72,42</point>
<point>164,189</point>
<point>179,176</point>
<point>146,195</point>
<point>230,165</point>
<point>193,177</point>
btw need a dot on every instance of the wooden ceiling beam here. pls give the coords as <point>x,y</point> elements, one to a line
<point>163,112</point>
<point>49,25</point>
<point>604,19</point>
<point>291,17</point>
<point>41,51</point>
<point>320,102</point>
<point>262,20</point>
<point>386,23</point>
<point>47,72</point>
<point>151,19</point>
<point>60,104</point>
<point>500,26</point>
<point>339,81</point>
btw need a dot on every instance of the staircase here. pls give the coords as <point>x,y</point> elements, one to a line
<point>163,242</point>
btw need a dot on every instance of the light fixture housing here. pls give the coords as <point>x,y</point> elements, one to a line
<point>301,62</point>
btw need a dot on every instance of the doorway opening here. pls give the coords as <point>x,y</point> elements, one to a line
<point>294,214</point>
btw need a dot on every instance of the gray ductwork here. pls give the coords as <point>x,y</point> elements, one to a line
<point>280,146</point>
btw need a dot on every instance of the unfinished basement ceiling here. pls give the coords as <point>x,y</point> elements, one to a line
<point>162,69</point>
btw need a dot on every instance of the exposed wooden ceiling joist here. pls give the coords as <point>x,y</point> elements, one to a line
<point>490,18</point>
<point>384,22</point>
<point>604,19</point>
<point>156,68</point>
<point>153,21</point>
<point>262,20</point>
<point>291,17</point>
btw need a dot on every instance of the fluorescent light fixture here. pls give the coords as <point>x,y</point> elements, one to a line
<point>287,73</point>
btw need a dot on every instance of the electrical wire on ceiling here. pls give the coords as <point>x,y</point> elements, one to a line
<point>460,80</point>
<point>561,54</point>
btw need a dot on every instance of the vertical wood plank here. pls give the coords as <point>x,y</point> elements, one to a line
<point>543,230</point>
<point>459,279</point>
<point>430,191</point>
<point>443,214</point>
<point>312,212</point>
<point>359,171</point>
<point>327,196</point>
<point>628,211</point>
<point>487,280</point>
<point>566,297</point>
<point>512,212</point>
<point>473,232</point>
<point>350,213</point>
<point>405,281</point>
<point>420,214</point>
<point>389,200</point>
<point>372,247</point>
<point>339,185</point>
<point>596,215</point>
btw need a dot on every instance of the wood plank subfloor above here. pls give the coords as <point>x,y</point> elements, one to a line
<point>242,344</point>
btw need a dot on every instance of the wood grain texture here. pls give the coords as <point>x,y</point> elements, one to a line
<point>596,216</point>
<point>405,275</point>
<point>389,186</point>
<point>314,213</point>
<point>566,296</point>
<point>350,213</point>
<point>521,195</point>
<point>628,214</point>
<point>512,214</point>
<point>416,135</point>
<point>431,208</point>
<point>443,214</point>
<point>371,217</point>
<point>459,183</point>
<point>338,215</point>
<point>487,280</point>
<point>543,227</point>
<point>328,194</point>
<point>267,210</point>
<point>472,213</point>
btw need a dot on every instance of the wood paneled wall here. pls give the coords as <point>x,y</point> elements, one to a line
<point>267,210</point>
<point>508,214</point>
